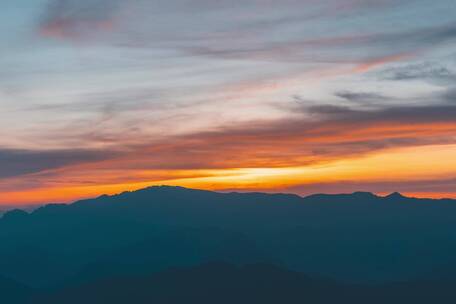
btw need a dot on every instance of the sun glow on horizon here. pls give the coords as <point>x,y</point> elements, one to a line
<point>396,166</point>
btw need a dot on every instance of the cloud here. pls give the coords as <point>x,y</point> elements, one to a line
<point>361,97</point>
<point>106,101</point>
<point>432,71</point>
<point>321,134</point>
<point>74,19</point>
<point>397,114</point>
<point>368,51</point>
<point>247,30</point>
<point>423,37</point>
<point>19,162</point>
<point>450,95</point>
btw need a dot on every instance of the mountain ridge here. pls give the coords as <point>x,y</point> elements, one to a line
<point>358,194</point>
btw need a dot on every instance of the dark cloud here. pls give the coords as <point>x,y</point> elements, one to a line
<point>361,97</point>
<point>18,162</point>
<point>396,114</point>
<point>426,71</point>
<point>450,95</point>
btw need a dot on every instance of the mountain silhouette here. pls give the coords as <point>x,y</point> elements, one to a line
<point>395,196</point>
<point>354,238</point>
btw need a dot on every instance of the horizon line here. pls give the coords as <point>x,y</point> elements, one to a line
<point>32,206</point>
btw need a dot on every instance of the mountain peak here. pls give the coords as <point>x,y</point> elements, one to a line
<point>395,195</point>
<point>14,214</point>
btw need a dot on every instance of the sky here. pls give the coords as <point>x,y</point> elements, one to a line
<point>301,96</point>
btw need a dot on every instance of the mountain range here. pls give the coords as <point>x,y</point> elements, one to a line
<point>352,244</point>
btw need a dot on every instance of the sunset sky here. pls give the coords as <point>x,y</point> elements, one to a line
<point>301,96</point>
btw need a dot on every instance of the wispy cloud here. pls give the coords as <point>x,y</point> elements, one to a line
<point>20,162</point>
<point>430,71</point>
<point>361,97</point>
<point>71,19</point>
<point>242,34</point>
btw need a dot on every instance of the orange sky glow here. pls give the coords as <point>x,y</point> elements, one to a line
<point>404,165</point>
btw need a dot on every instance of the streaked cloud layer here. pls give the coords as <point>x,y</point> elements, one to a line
<point>305,96</point>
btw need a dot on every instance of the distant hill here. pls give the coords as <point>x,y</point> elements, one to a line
<point>258,283</point>
<point>357,237</point>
